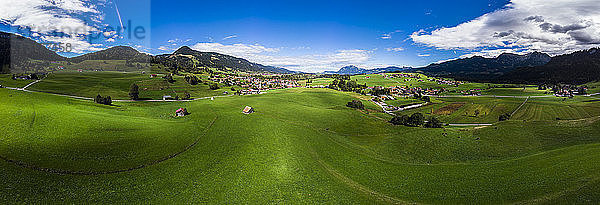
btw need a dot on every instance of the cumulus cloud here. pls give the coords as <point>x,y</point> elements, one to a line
<point>73,19</point>
<point>523,26</point>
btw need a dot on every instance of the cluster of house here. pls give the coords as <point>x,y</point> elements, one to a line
<point>27,77</point>
<point>408,91</point>
<point>447,82</point>
<point>569,91</point>
<point>254,85</point>
<point>473,92</point>
<point>401,75</point>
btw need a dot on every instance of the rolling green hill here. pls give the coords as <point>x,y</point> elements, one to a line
<point>301,146</point>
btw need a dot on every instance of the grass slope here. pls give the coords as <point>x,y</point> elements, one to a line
<point>305,146</point>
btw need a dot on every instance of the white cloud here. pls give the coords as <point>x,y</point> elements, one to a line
<point>424,55</point>
<point>77,44</point>
<point>386,36</point>
<point>230,37</point>
<point>273,57</point>
<point>398,49</point>
<point>551,26</point>
<point>164,48</point>
<point>234,49</point>
<point>73,18</point>
<point>389,35</point>
<point>317,62</point>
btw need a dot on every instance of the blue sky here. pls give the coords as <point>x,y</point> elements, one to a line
<point>315,36</point>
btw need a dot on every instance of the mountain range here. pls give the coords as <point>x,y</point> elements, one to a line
<point>16,50</point>
<point>17,54</point>
<point>188,59</point>
<point>114,53</point>
<point>535,68</point>
<point>353,70</point>
<point>575,68</point>
<point>480,68</point>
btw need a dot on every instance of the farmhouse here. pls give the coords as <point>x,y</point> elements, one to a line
<point>181,112</point>
<point>167,97</point>
<point>248,110</point>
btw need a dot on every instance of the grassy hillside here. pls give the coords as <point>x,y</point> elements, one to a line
<point>116,85</point>
<point>301,146</point>
<point>7,81</point>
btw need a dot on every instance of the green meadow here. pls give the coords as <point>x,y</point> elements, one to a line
<point>7,81</point>
<point>116,84</point>
<point>301,146</point>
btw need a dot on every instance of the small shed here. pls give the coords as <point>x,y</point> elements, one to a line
<point>181,112</point>
<point>248,110</point>
<point>167,97</point>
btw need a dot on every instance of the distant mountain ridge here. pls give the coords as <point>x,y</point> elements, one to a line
<point>353,70</point>
<point>16,50</point>
<point>114,53</point>
<point>189,59</point>
<point>480,68</point>
<point>576,68</point>
<point>535,68</point>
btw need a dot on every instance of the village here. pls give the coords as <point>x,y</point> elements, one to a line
<point>253,85</point>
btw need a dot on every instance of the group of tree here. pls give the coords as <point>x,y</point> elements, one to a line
<point>357,104</point>
<point>214,86</point>
<point>416,120</point>
<point>103,100</point>
<point>134,92</point>
<point>504,117</point>
<point>419,96</point>
<point>169,78</point>
<point>347,85</point>
<point>379,91</point>
<point>192,80</point>
<point>32,76</point>
<point>187,96</point>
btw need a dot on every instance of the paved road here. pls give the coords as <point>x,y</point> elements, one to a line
<point>469,125</point>
<point>489,96</point>
<point>520,106</point>
<point>86,98</point>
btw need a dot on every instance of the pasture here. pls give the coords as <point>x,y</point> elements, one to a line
<point>116,85</point>
<point>301,146</point>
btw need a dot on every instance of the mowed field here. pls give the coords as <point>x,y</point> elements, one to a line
<point>489,109</point>
<point>301,146</point>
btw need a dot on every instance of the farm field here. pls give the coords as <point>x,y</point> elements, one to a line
<point>381,80</point>
<point>489,109</point>
<point>527,91</point>
<point>301,146</point>
<point>464,109</point>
